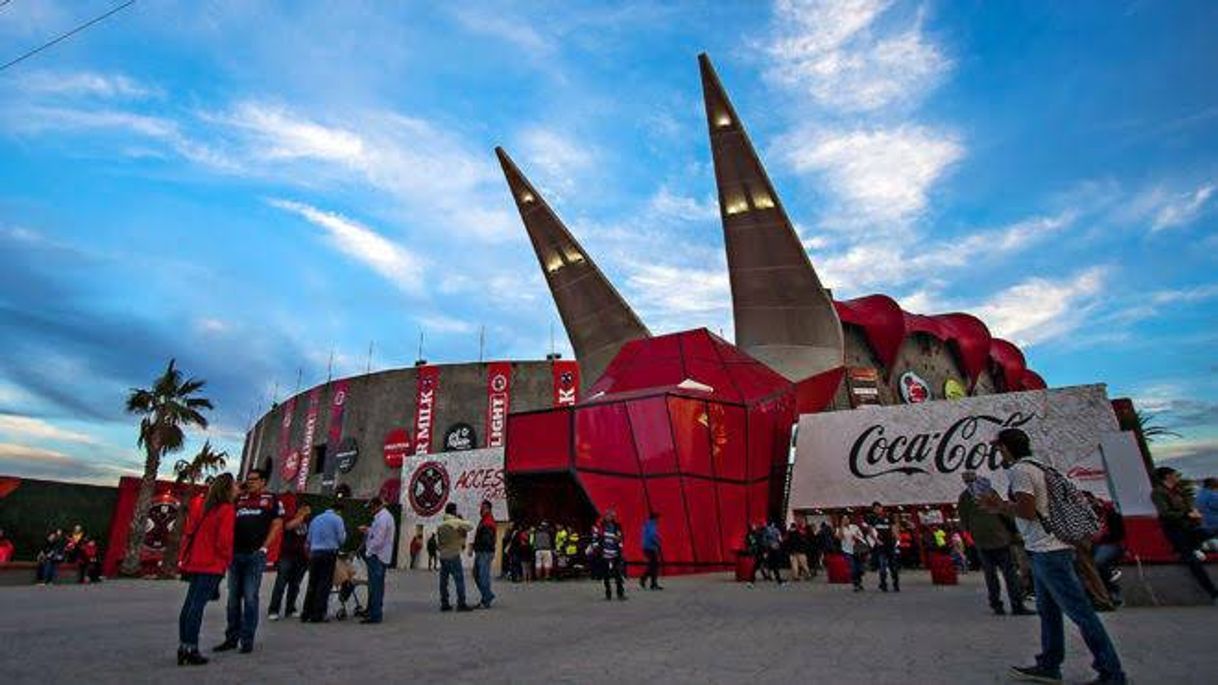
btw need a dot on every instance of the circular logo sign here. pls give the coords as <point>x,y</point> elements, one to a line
<point>162,516</point>
<point>396,447</point>
<point>348,452</point>
<point>954,389</point>
<point>914,390</point>
<point>291,464</point>
<point>499,382</point>
<point>429,488</point>
<point>459,437</point>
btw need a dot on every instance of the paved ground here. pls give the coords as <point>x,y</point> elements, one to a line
<point>701,629</point>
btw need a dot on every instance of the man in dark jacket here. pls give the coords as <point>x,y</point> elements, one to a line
<point>993,538</point>
<point>484,553</point>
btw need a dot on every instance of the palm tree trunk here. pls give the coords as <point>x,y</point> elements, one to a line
<point>173,546</point>
<point>135,536</point>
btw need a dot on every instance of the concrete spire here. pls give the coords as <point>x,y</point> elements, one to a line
<point>597,318</point>
<point>783,316</point>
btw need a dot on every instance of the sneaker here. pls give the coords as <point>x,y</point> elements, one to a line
<point>225,646</point>
<point>445,607</point>
<point>274,616</point>
<point>1035,674</point>
<point>1200,555</point>
<point>1115,575</point>
<point>464,607</point>
<point>748,585</point>
<point>246,649</point>
<point>1024,611</point>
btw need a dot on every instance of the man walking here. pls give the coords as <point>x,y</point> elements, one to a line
<point>610,541</point>
<point>259,522</point>
<point>292,564</point>
<point>543,546</point>
<point>378,552</point>
<point>886,547</point>
<point>484,553</point>
<point>1058,589</point>
<point>651,550</point>
<point>327,533</point>
<point>450,541</point>
<point>992,536</point>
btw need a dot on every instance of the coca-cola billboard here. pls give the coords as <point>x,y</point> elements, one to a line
<point>914,454</point>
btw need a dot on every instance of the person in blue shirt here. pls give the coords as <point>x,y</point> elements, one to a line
<point>651,549</point>
<point>327,533</point>
<point>1207,504</point>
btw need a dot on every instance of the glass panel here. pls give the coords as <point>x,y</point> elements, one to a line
<point>625,496</point>
<point>703,519</point>
<point>690,424</point>
<point>653,435</point>
<point>728,453</point>
<point>761,442</point>
<point>759,499</point>
<point>664,495</point>
<point>540,442</point>
<point>603,440</point>
<point>733,515</point>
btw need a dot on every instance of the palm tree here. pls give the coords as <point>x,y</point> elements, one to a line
<point>166,408</point>
<point>205,464</point>
<point>1151,430</point>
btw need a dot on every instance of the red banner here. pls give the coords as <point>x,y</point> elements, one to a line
<point>566,382</point>
<point>306,445</point>
<point>498,399</point>
<point>338,402</point>
<point>428,386</point>
<point>287,465</point>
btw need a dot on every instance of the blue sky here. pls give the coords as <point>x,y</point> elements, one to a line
<point>247,186</point>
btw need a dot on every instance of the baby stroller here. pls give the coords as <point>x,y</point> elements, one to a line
<point>350,574</point>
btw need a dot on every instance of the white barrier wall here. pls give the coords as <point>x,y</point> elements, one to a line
<point>914,454</point>
<point>431,481</point>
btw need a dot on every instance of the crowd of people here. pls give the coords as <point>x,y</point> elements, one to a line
<point>76,549</point>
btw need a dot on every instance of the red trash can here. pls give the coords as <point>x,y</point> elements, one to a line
<point>744,566</point>
<point>942,570</point>
<point>837,568</point>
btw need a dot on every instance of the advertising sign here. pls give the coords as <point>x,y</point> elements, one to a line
<point>460,437</point>
<point>466,478</point>
<point>953,389</point>
<point>914,390</point>
<point>338,402</point>
<point>914,454</point>
<point>566,382</point>
<point>396,447</point>
<point>306,445</point>
<point>864,385</point>
<point>498,399</point>
<point>347,454</point>
<point>287,465</point>
<point>427,385</point>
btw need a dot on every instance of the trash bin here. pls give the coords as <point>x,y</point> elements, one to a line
<point>744,566</point>
<point>837,568</point>
<point>942,570</point>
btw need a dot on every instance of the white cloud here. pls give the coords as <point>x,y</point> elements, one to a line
<point>392,261</point>
<point>670,205</point>
<point>280,134</point>
<point>1182,209</point>
<point>32,454</point>
<point>556,161</point>
<point>883,176</point>
<point>1186,295</point>
<point>670,297</point>
<point>439,323</point>
<point>496,24</point>
<point>212,326</point>
<point>86,83</point>
<point>835,52</point>
<point>25,427</point>
<point>1039,309</point>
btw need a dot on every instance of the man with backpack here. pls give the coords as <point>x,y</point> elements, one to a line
<point>1050,514</point>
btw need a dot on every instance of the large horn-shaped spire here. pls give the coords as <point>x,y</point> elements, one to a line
<point>783,316</point>
<point>597,319</point>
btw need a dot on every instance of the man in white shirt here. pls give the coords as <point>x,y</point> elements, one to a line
<point>1058,589</point>
<point>378,551</point>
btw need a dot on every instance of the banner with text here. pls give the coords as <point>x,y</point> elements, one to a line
<point>466,478</point>
<point>498,400</point>
<point>915,454</point>
<point>306,444</point>
<point>566,382</point>
<point>338,403</point>
<point>287,465</point>
<point>426,388</point>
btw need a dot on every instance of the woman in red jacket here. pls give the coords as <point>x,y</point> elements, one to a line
<point>206,554</point>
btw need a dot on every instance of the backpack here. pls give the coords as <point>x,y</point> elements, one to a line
<point>1071,518</point>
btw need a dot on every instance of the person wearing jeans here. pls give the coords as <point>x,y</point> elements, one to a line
<point>292,564</point>
<point>378,552</point>
<point>206,552</point>
<point>450,542</point>
<point>327,533</point>
<point>258,524</point>
<point>850,539</point>
<point>484,553</point>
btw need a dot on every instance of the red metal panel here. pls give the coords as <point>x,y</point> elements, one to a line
<point>761,442</point>
<point>1011,361</point>
<point>733,515</point>
<point>697,344</point>
<point>729,449</point>
<point>540,441</point>
<point>653,435</point>
<point>971,341</point>
<point>703,520</point>
<point>714,375</point>
<point>882,321</point>
<point>625,496</point>
<point>690,425</point>
<point>759,500</point>
<point>603,440</point>
<point>665,498</point>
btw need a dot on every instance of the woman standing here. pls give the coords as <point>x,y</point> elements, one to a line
<point>854,545</point>
<point>205,556</point>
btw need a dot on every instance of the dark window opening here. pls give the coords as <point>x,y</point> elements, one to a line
<point>319,458</point>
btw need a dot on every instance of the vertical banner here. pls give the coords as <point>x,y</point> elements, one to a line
<point>428,386</point>
<point>287,465</point>
<point>498,400</point>
<point>306,446</point>
<point>338,402</point>
<point>566,382</point>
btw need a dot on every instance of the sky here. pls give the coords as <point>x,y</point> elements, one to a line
<point>254,188</point>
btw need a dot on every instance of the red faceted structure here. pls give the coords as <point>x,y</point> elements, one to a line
<point>685,425</point>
